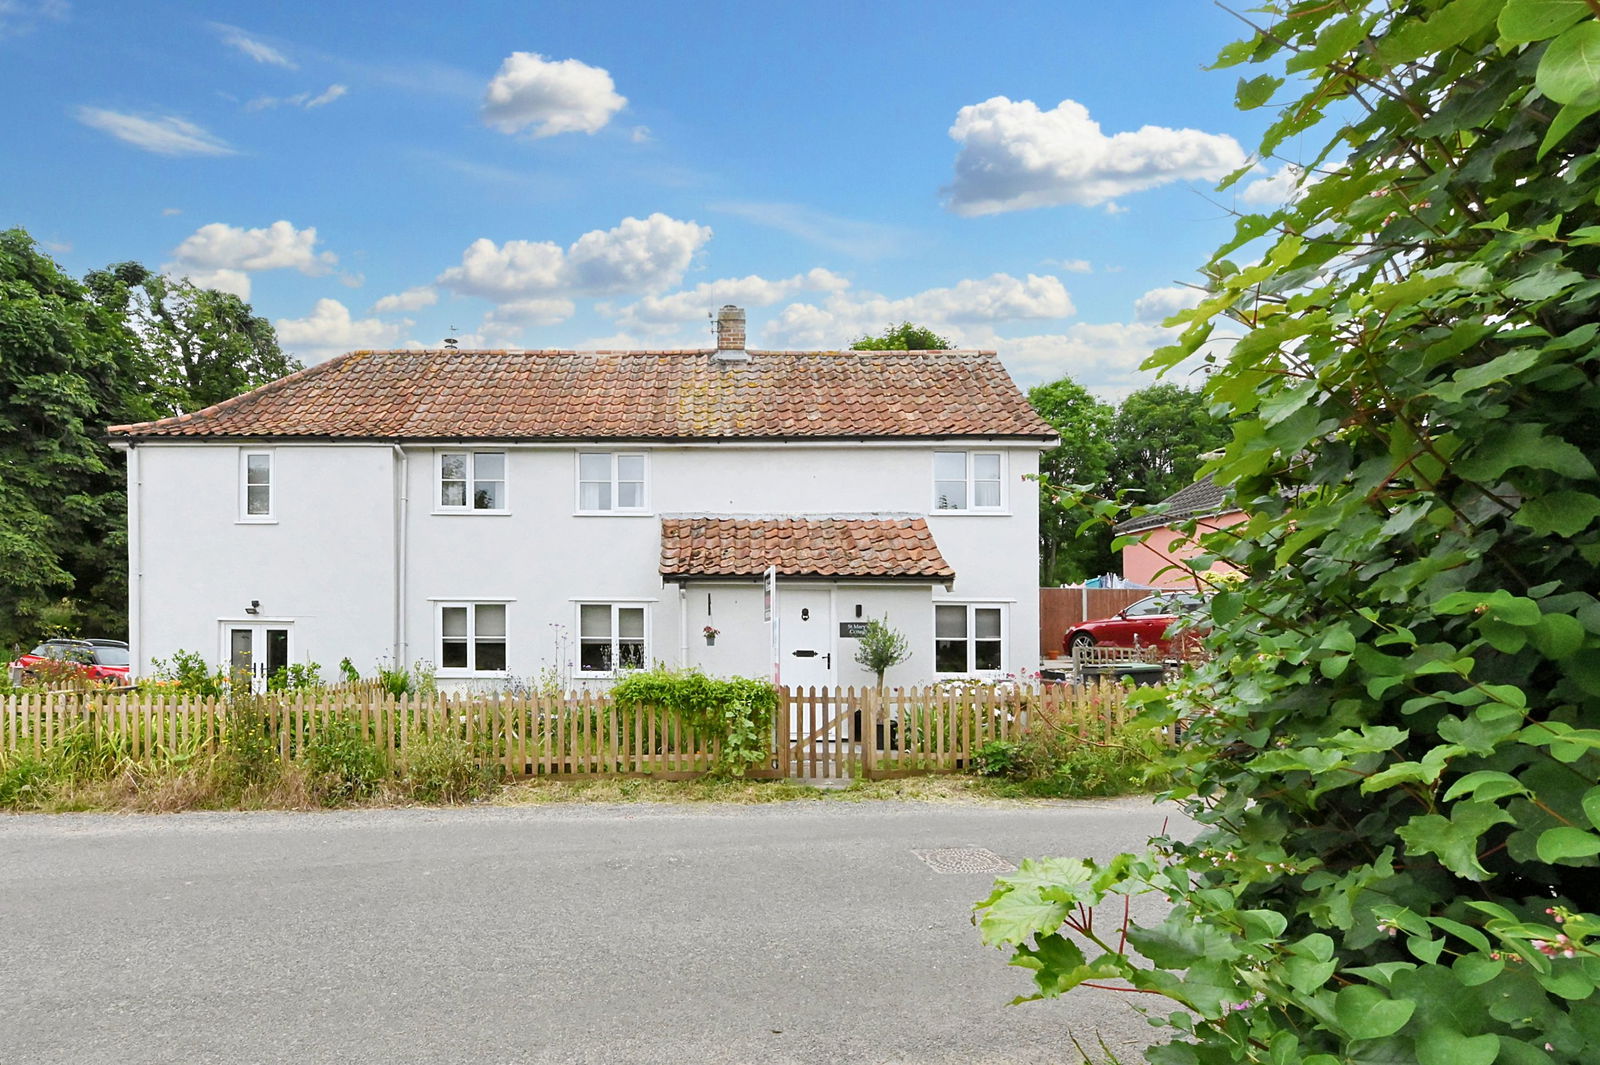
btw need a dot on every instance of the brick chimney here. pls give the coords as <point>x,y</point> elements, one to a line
<point>730,335</point>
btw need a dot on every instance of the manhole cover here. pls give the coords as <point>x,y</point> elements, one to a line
<point>964,860</point>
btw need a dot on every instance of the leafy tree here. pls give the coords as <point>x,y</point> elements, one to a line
<point>1083,458</point>
<point>902,337</point>
<point>1159,436</point>
<point>207,345</point>
<point>68,368</point>
<point>1395,754</point>
<point>125,345</point>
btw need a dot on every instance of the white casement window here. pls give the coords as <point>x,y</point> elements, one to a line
<point>969,638</point>
<point>611,637</point>
<point>472,637</point>
<point>610,482</point>
<point>472,481</point>
<point>968,480</point>
<point>255,486</point>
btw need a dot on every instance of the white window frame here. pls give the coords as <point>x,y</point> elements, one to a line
<point>972,636</point>
<point>613,456</point>
<point>271,516</point>
<point>615,605</point>
<point>471,606</point>
<point>439,505</point>
<point>970,479</point>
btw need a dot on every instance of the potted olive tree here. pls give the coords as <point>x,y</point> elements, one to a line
<point>878,648</point>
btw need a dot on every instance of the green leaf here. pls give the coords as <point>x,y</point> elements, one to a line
<point>1485,784</point>
<point>1367,1013</point>
<point>1569,70</point>
<point>1475,969</point>
<point>1522,21</point>
<point>1442,1045</point>
<point>1559,844</point>
<point>1558,636</point>
<point>1017,915</point>
<point>1563,513</point>
<point>1567,119</point>
<point>1253,92</point>
<point>1591,806</point>
<point>1454,840</point>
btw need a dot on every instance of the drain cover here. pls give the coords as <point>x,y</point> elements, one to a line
<point>964,860</point>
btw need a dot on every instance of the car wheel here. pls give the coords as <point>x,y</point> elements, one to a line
<point>1082,639</point>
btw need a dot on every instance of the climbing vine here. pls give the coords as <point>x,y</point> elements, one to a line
<point>1395,752</point>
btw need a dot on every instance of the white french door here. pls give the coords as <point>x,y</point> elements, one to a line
<point>254,651</point>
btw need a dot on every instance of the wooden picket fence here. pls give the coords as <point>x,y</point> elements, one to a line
<point>818,734</point>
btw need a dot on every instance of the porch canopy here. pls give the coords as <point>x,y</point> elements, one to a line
<point>830,548</point>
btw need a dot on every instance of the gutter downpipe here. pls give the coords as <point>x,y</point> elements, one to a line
<point>135,563</point>
<point>402,520</point>
<point>683,625</point>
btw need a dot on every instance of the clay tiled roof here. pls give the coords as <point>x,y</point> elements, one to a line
<point>1197,500</point>
<point>635,395</point>
<point>801,547</point>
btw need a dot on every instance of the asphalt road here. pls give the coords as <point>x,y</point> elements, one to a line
<point>803,932</point>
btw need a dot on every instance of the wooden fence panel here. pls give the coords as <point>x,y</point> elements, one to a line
<point>817,734</point>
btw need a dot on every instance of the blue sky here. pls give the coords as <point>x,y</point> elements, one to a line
<point>1029,177</point>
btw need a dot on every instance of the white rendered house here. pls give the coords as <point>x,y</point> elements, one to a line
<point>498,514</point>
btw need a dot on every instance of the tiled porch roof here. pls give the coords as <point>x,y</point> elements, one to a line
<point>897,548</point>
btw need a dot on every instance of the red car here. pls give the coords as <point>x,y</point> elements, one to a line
<point>1142,624</point>
<point>100,660</point>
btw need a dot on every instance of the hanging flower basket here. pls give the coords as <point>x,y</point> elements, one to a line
<point>711,635</point>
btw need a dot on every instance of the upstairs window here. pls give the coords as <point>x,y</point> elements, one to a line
<point>610,481</point>
<point>610,637</point>
<point>967,480</point>
<point>472,637</point>
<point>255,488</point>
<point>472,481</point>
<point>968,638</point>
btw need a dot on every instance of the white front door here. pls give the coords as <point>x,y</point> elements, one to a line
<point>805,632</point>
<point>254,651</point>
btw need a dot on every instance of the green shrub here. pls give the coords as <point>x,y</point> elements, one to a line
<point>344,764</point>
<point>998,758</point>
<point>1058,763</point>
<point>880,648</point>
<point>188,674</point>
<point>295,678</point>
<point>444,768</point>
<point>736,712</point>
<point>24,780</point>
<point>399,681</point>
<point>249,753</point>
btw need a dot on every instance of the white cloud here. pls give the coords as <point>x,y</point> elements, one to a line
<point>1276,189</point>
<point>222,256</point>
<point>677,309</point>
<point>260,51</point>
<point>640,135</point>
<point>168,212</point>
<point>1015,156</point>
<point>637,255</point>
<point>18,17</point>
<point>1071,266</point>
<point>845,236</point>
<point>550,96</point>
<point>1159,304</point>
<point>844,316</point>
<point>163,135</point>
<point>508,319</point>
<point>412,299</point>
<point>329,330</point>
<point>299,99</point>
